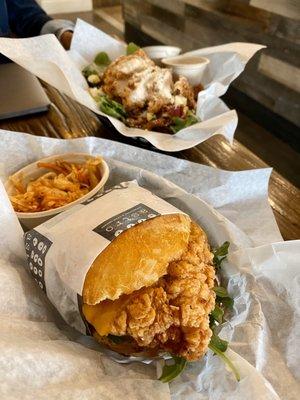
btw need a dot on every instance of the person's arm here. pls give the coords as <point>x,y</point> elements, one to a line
<point>63,29</point>
<point>26,17</point>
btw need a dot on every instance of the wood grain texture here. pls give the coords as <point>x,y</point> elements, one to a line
<point>68,119</point>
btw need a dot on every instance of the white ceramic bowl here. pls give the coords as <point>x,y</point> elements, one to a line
<point>32,172</point>
<point>192,67</point>
<point>156,53</point>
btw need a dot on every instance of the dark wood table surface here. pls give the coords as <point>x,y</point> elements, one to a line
<point>68,119</point>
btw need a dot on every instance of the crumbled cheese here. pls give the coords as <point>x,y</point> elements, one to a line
<point>150,116</point>
<point>180,100</point>
<point>94,79</point>
<point>185,110</point>
<point>153,82</point>
<point>95,92</point>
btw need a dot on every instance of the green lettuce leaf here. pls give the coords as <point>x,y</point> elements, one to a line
<point>131,48</point>
<point>181,123</point>
<point>217,314</point>
<point>220,253</point>
<point>219,346</point>
<point>171,371</point>
<point>218,343</point>
<point>102,58</point>
<point>220,291</point>
<point>89,70</point>
<point>227,302</point>
<point>111,107</point>
<point>223,297</point>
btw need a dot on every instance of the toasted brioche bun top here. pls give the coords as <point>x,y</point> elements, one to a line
<point>138,257</point>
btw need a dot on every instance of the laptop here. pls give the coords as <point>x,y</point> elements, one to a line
<point>20,92</point>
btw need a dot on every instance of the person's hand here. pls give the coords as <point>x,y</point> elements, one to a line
<point>65,39</point>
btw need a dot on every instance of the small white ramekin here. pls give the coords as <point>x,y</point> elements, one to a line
<point>156,53</point>
<point>192,70</point>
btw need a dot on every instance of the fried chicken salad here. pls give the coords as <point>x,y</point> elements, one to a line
<point>135,90</point>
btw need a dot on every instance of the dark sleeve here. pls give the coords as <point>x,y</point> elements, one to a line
<point>26,17</point>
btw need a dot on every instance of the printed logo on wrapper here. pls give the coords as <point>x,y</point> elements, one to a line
<point>114,226</point>
<point>36,247</point>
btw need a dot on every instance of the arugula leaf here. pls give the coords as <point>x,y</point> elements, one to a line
<point>93,69</point>
<point>89,70</point>
<point>223,301</point>
<point>226,360</point>
<point>217,314</point>
<point>227,302</point>
<point>131,48</point>
<point>219,346</point>
<point>111,107</point>
<point>180,123</point>
<point>117,339</point>
<point>171,371</point>
<point>220,291</point>
<point>102,58</point>
<point>220,253</point>
<point>223,297</point>
<point>218,343</point>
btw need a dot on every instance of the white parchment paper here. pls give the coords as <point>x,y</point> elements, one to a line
<point>46,58</point>
<point>40,357</point>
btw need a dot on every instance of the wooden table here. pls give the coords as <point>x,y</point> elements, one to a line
<point>68,119</point>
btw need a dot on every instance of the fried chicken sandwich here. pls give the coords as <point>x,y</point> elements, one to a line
<point>151,290</point>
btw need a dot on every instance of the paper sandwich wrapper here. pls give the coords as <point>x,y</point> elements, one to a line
<point>45,57</point>
<point>61,250</point>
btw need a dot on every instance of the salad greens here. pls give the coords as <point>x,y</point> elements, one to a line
<point>223,302</point>
<point>131,48</point>
<point>223,297</point>
<point>101,61</point>
<point>90,69</point>
<point>171,371</point>
<point>181,123</point>
<point>217,314</point>
<point>111,107</point>
<point>220,253</point>
<point>102,58</point>
<point>217,350</point>
<point>218,343</point>
<point>220,291</point>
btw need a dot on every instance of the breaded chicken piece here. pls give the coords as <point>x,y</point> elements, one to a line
<point>125,66</point>
<point>183,88</point>
<point>173,315</point>
<point>151,87</point>
<point>117,74</point>
<point>137,82</point>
